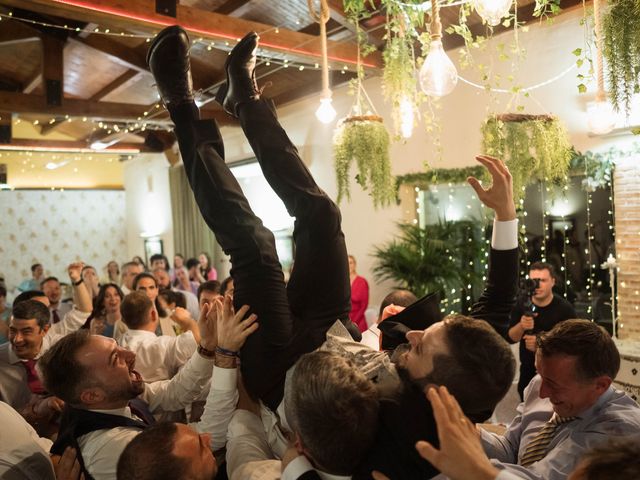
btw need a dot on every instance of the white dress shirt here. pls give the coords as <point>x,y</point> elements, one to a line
<point>158,357</point>
<point>101,449</point>
<point>23,454</point>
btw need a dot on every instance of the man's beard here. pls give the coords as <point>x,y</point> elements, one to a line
<point>405,376</point>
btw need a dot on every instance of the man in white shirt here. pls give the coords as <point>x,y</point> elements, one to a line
<point>98,381</point>
<point>157,357</point>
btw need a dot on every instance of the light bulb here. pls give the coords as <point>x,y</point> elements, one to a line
<point>325,112</point>
<point>406,117</point>
<point>438,75</point>
<point>492,11</point>
<point>600,117</point>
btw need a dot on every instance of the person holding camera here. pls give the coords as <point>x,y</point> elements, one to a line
<point>539,311</point>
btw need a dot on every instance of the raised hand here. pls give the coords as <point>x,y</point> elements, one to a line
<point>233,328</point>
<point>461,456</point>
<point>207,323</point>
<point>75,271</point>
<point>499,196</point>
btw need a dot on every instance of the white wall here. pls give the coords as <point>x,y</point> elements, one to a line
<point>549,48</point>
<point>148,200</point>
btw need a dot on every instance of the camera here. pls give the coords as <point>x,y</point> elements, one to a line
<point>528,289</point>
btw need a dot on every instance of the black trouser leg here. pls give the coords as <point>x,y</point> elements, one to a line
<point>257,274</point>
<point>319,289</point>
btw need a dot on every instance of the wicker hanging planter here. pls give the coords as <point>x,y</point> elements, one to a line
<point>534,147</point>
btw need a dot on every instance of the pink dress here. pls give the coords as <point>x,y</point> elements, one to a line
<point>359,302</point>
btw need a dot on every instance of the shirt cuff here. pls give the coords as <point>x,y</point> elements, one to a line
<point>296,468</point>
<point>224,378</point>
<point>505,235</point>
<point>200,364</point>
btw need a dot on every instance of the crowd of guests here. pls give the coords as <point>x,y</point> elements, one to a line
<point>259,379</point>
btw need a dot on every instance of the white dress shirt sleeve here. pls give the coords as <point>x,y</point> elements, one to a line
<point>296,468</point>
<point>221,402</point>
<point>182,389</point>
<point>246,442</point>
<point>72,321</point>
<point>505,235</point>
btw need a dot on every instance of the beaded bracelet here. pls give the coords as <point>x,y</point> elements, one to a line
<point>225,352</point>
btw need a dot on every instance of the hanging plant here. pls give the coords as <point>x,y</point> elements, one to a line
<point>621,25</point>
<point>439,176</point>
<point>534,147</point>
<point>362,138</point>
<point>365,140</point>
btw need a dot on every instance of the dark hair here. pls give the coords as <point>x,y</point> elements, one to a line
<point>617,458</point>
<point>140,276</point>
<point>34,266</point>
<point>62,374</point>
<point>48,279</point>
<point>595,351</point>
<point>159,256</point>
<point>192,262</point>
<point>329,394</point>
<point>403,298</point>
<point>209,267</point>
<point>29,309</point>
<point>98,302</point>
<point>172,296</point>
<point>149,456</point>
<point>3,291</point>
<point>138,259</point>
<point>224,286</point>
<point>209,286</point>
<point>479,368</point>
<point>135,310</point>
<point>87,267</point>
<point>543,266</point>
<point>24,296</point>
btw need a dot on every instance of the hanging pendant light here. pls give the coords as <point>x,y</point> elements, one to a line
<point>492,11</point>
<point>601,118</point>
<point>438,75</point>
<point>325,112</point>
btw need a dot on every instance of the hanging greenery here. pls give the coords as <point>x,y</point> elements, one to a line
<point>534,147</point>
<point>435,258</point>
<point>598,167</point>
<point>621,33</point>
<point>455,176</point>
<point>365,141</point>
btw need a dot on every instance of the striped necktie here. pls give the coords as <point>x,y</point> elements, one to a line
<point>537,448</point>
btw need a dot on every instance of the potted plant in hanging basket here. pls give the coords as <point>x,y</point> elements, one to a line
<point>534,147</point>
<point>364,140</point>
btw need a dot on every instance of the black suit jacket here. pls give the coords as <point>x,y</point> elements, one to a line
<point>408,418</point>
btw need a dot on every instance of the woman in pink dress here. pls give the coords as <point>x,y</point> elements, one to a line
<point>359,296</point>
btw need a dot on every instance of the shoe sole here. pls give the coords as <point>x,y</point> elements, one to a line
<point>169,31</point>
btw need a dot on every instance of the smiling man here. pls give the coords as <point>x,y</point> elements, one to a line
<point>568,408</point>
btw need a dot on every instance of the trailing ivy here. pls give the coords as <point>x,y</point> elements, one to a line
<point>365,142</point>
<point>598,167</point>
<point>621,33</point>
<point>424,180</point>
<point>533,147</point>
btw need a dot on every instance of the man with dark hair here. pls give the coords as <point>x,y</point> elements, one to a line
<point>548,310</point>
<point>164,282</point>
<point>30,336</point>
<point>226,287</point>
<point>157,357</point>
<point>51,288</point>
<point>33,283</point>
<point>158,260</point>
<point>619,457</point>
<point>193,268</point>
<point>32,295</point>
<point>208,292</point>
<point>168,451</point>
<point>397,298</point>
<point>569,407</point>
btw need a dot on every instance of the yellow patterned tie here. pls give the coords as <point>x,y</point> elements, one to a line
<point>537,448</point>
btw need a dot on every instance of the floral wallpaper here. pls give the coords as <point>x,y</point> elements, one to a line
<point>55,228</point>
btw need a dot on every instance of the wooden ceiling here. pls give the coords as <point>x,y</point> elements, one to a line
<point>87,78</point>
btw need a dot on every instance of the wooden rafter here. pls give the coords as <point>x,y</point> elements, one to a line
<point>210,25</point>
<point>65,145</point>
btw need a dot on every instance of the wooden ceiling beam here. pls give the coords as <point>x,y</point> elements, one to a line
<point>232,7</point>
<point>200,23</point>
<point>64,145</point>
<point>119,53</point>
<point>14,32</point>
<point>125,80</point>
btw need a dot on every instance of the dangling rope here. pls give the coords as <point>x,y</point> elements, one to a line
<point>322,18</point>
<point>600,95</point>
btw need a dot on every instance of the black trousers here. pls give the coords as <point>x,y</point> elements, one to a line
<point>293,318</point>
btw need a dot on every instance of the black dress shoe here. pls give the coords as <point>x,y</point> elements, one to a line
<point>241,84</point>
<point>168,60</point>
